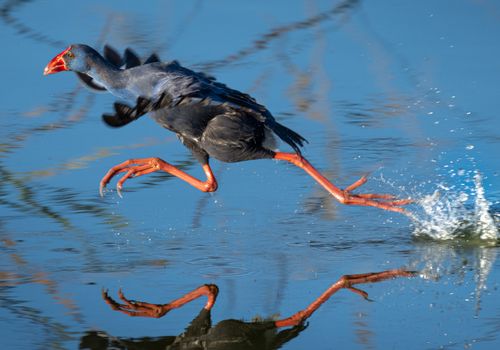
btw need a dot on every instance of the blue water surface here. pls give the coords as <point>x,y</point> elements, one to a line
<point>403,91</point>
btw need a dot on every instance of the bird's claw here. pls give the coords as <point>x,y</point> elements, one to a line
<point>118,191</point>
<point>131,168</point>
<point>102,190</point>
<point>133,307</point>
<point>382,201</point>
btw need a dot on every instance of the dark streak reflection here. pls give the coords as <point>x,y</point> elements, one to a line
<point>55,332</point>
<point>29,201</point>
<point>343,8</point>
<point>6,14</point>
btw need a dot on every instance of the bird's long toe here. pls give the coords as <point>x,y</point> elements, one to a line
<point>376,196</point>
<point>356,184</point>
<point>382,201</point>
<point>106,179</point>
<point>131,168</point>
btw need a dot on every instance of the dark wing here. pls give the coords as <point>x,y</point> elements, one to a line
<point>128,60</point>
<point>125,114</point>
<point>152,59</point>
<point>131,59</point>
<point>220,92</point>
<point>185,87</point>
<point>112,56</point>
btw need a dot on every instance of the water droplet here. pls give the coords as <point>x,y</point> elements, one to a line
<point>448,215</point>
<point>463,197</point>
<point>469,147</point>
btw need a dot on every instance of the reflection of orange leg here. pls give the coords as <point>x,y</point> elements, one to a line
<point>143,166</point>
<point>382,201</point>
<point>346,281</point>
<point>140,308</point>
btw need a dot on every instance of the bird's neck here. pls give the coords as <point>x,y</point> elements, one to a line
<point>106,74</point>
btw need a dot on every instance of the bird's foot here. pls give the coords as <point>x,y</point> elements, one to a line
<point>382,201</point>
<point>131,168</point>
<point>134,307</point>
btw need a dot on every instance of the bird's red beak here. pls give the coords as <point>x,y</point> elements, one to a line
<point>57,64</point>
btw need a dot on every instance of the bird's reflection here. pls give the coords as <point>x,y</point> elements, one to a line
<point>227,334</point>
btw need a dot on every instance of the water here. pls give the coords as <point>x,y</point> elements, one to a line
<point>406,92</point>
<point>447,215</point>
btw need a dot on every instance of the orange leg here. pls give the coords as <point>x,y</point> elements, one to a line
<point>346,281</point>
<point>382,201</point>
<point>143,166</point>
<point>143,309</point>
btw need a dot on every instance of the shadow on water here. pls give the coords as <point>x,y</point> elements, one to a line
<point>251,336</point>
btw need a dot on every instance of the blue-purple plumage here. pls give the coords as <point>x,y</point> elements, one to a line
<point>210,118</point>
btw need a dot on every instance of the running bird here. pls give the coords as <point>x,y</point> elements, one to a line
<point>210,119</point>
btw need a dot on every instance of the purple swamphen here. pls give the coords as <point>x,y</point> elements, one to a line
<point>210,119</point>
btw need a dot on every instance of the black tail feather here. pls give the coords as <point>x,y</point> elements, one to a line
<point>289,136</point>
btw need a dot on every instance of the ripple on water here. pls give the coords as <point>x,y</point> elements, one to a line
<point>219,267</point>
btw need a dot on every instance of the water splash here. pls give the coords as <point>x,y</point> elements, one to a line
<point>450,215</point>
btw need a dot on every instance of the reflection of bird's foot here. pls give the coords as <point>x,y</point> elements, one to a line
<point>143,309</point>
<point>133,307</point>
<point>348,282</point>
<point>382,201</point>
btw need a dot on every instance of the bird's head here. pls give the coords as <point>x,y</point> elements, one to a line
<point>76,57</point>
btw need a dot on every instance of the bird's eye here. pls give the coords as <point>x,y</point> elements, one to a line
<point>70,54</point>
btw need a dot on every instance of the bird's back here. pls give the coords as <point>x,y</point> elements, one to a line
<point>186,101</point>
